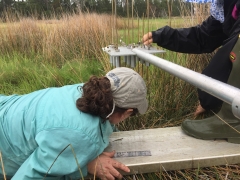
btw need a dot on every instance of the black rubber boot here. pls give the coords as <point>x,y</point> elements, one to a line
<point>213,127</point>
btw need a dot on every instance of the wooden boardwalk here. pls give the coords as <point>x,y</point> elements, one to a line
<point>163,149</point>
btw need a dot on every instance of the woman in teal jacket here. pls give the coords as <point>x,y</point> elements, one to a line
<point>73,120</point>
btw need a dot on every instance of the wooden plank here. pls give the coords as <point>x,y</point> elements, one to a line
<point>165,149</point>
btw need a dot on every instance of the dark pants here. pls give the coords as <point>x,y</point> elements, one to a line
<point>219,68</point>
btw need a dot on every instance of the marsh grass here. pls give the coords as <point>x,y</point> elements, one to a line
<point>22,75</point>
<point>54,52</point>
<point>2,166</point>
<point>73,37</point>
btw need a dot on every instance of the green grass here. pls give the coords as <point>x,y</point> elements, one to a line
<point>22,75</point>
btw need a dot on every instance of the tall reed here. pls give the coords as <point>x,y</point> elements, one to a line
<point>80,36</point>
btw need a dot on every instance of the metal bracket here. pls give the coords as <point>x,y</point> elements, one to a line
<point>128,55</point>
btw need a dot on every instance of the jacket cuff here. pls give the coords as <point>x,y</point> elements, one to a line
<point>156,35</point>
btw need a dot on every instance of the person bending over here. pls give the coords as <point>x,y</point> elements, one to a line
<point>69,124</point>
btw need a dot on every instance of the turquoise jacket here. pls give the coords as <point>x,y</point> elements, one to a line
<point>35,128</point>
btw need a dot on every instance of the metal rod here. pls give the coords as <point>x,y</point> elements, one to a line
<point>112,21</point>
<point>116,24</point>
<point>138,29</point>
<point>132,22</point>
<point>148,17</point>
<point>128,21</point>
<point>223,91</point>
<point>143,24</point>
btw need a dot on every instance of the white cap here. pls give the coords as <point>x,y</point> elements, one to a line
<point>128,88</point>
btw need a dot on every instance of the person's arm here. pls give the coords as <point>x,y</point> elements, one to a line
<point>51,143</point>
<point>51,147</point>
<point>105,167</point>
<point>204,38</point>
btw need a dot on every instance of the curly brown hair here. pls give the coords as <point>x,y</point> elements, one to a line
<point>97,98</point>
